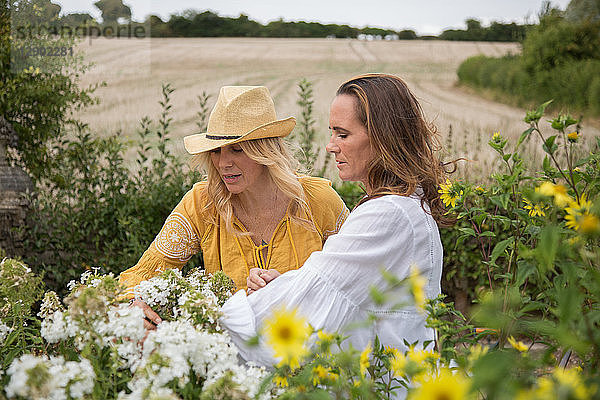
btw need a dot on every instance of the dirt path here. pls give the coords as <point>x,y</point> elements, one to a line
<point>134,70</point>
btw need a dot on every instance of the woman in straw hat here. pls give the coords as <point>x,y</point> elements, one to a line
<point>380,138</point>
<point>253,211</point>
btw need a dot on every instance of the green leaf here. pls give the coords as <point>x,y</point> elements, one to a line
<point>546,165</point>
<point>524,136</point>
<point>547,247</point>
<point>549,146</point>
<point>524,271</point>
<point>570,121</point>
<point>487,234</point>
<point>543,106</point>
<point>467,231</point>
<point>500,248</point>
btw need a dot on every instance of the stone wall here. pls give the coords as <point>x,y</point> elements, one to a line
<point>15,189</point>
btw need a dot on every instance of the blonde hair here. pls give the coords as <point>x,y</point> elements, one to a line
<point>281,166</point>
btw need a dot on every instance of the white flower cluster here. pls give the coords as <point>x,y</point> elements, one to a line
<point>176,349</point>
<point>188,347</point>
<point>156,291</point>
<point>122,328</point>
<point>49,378</point>
<point>4,331</point>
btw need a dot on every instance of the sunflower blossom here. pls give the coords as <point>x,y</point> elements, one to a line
<point>450,193</point>
<point>364,359</point>
<point>559,192</point>
<point>535,210</point>
<point>579,217</point>
<point>445,385</point>
<point>573,136</point>
<point>286,332</point>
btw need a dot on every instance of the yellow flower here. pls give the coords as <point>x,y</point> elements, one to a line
<point>364,359</point>
<point>571,379</point>
<point>522,347</point>
<point>476,352</point>
<point>559,192</point>
<point>321,374</point>
<point>579,217</point>
<point>573,136</point>
<point>496,137</point>
<point>420,356</point>
<point>398,363</point>
<point>416,283</point>
<point>287,333</point>
<point>450,193</point>
<point>443,386</point>
<point>545,389</point>
<point>280,381</point>
<point>479,189</point>
<point>534,209</point>
<point>324,336</point>
<point>590,224</point>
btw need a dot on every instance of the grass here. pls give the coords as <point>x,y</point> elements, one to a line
<point>134,70</point>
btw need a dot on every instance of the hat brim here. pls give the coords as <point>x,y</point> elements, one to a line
<point>201,142</point>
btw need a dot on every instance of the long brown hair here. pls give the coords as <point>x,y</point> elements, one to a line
<point>404,144</point>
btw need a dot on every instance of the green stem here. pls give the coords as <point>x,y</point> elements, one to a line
<point>556,163</point>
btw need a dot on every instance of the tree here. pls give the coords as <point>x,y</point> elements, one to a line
<point>581,10</point>
<point>37,93</point>
<point>112,10</point>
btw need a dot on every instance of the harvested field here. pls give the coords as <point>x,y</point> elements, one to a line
<point>134,69</point>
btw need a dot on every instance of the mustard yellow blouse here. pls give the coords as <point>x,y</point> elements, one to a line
<point>187,231</point>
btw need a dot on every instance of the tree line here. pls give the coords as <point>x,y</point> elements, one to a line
<point>194,23</point>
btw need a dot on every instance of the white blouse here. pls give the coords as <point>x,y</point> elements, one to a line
<point>331,290</point>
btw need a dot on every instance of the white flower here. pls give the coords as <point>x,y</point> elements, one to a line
<point>71,285</point>
<point>4,331</point>
<point>94,282</point>
<point>58,326</point>
<point>53,378</point>
<point>85,276</point>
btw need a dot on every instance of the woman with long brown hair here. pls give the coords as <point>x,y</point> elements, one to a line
<point>380,138</point>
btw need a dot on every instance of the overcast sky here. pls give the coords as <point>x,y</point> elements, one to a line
<point>423,16</point>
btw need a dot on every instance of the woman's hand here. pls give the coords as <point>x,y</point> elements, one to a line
<point>258,278</point>
<point>151,319</point>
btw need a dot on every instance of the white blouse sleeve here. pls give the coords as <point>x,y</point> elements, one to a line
<point>332,288</point>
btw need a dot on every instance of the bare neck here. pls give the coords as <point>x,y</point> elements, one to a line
<point>261,199</point>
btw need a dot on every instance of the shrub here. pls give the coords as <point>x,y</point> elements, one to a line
<point>97,212</point>
<point>560,61</point>
<point>37,99</point>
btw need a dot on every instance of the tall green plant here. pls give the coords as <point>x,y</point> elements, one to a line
<point>38,91</point>
<point>95,210</point>
<point>539,248</point>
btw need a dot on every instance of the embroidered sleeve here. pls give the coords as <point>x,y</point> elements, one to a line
<point>178,240</point>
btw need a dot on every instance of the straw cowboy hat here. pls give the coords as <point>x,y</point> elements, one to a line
<point>241,113</point>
